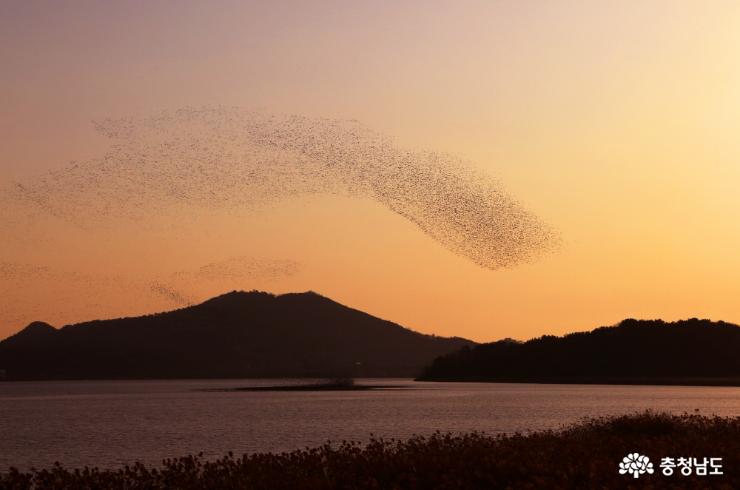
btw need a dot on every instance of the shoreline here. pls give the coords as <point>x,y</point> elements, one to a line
<point>730,382</point>
<point>625,381</point>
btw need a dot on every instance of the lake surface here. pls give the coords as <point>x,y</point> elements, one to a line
<point>111,423</point>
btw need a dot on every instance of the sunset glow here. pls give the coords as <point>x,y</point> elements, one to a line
<point>614,123</point>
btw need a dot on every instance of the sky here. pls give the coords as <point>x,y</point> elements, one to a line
<point>613,122</point>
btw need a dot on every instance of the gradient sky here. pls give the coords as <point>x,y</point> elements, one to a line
<point>616,122</point>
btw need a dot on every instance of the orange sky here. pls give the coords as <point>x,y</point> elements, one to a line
<point>615,122</point>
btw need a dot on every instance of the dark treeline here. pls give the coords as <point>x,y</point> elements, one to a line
<point>635,351</point>
<point>240,334</point>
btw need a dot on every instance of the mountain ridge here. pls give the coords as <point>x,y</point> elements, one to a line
<point>691,351</point>
<point>236,334</point>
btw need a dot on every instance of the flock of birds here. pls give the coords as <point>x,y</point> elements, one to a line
<point>234,158</point>
<point>239,268</point>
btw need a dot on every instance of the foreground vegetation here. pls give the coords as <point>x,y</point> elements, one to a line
<point>585,455</point>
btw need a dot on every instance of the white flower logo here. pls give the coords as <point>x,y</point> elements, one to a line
<point>636,465</point>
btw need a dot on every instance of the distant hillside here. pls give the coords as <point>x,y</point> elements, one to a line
<point>635,351</point>
<point>238,334</point>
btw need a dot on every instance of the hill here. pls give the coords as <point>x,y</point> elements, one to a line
<point>632,352</point>
<point>239,334</point>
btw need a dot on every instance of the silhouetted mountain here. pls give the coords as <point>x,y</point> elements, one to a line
<point>238,334</point>
<point>34,331</point>
<point>635,351</point>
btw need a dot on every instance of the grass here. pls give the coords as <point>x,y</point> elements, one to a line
<point>585,455</point>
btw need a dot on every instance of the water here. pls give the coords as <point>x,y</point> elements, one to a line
<point>111,423</point>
